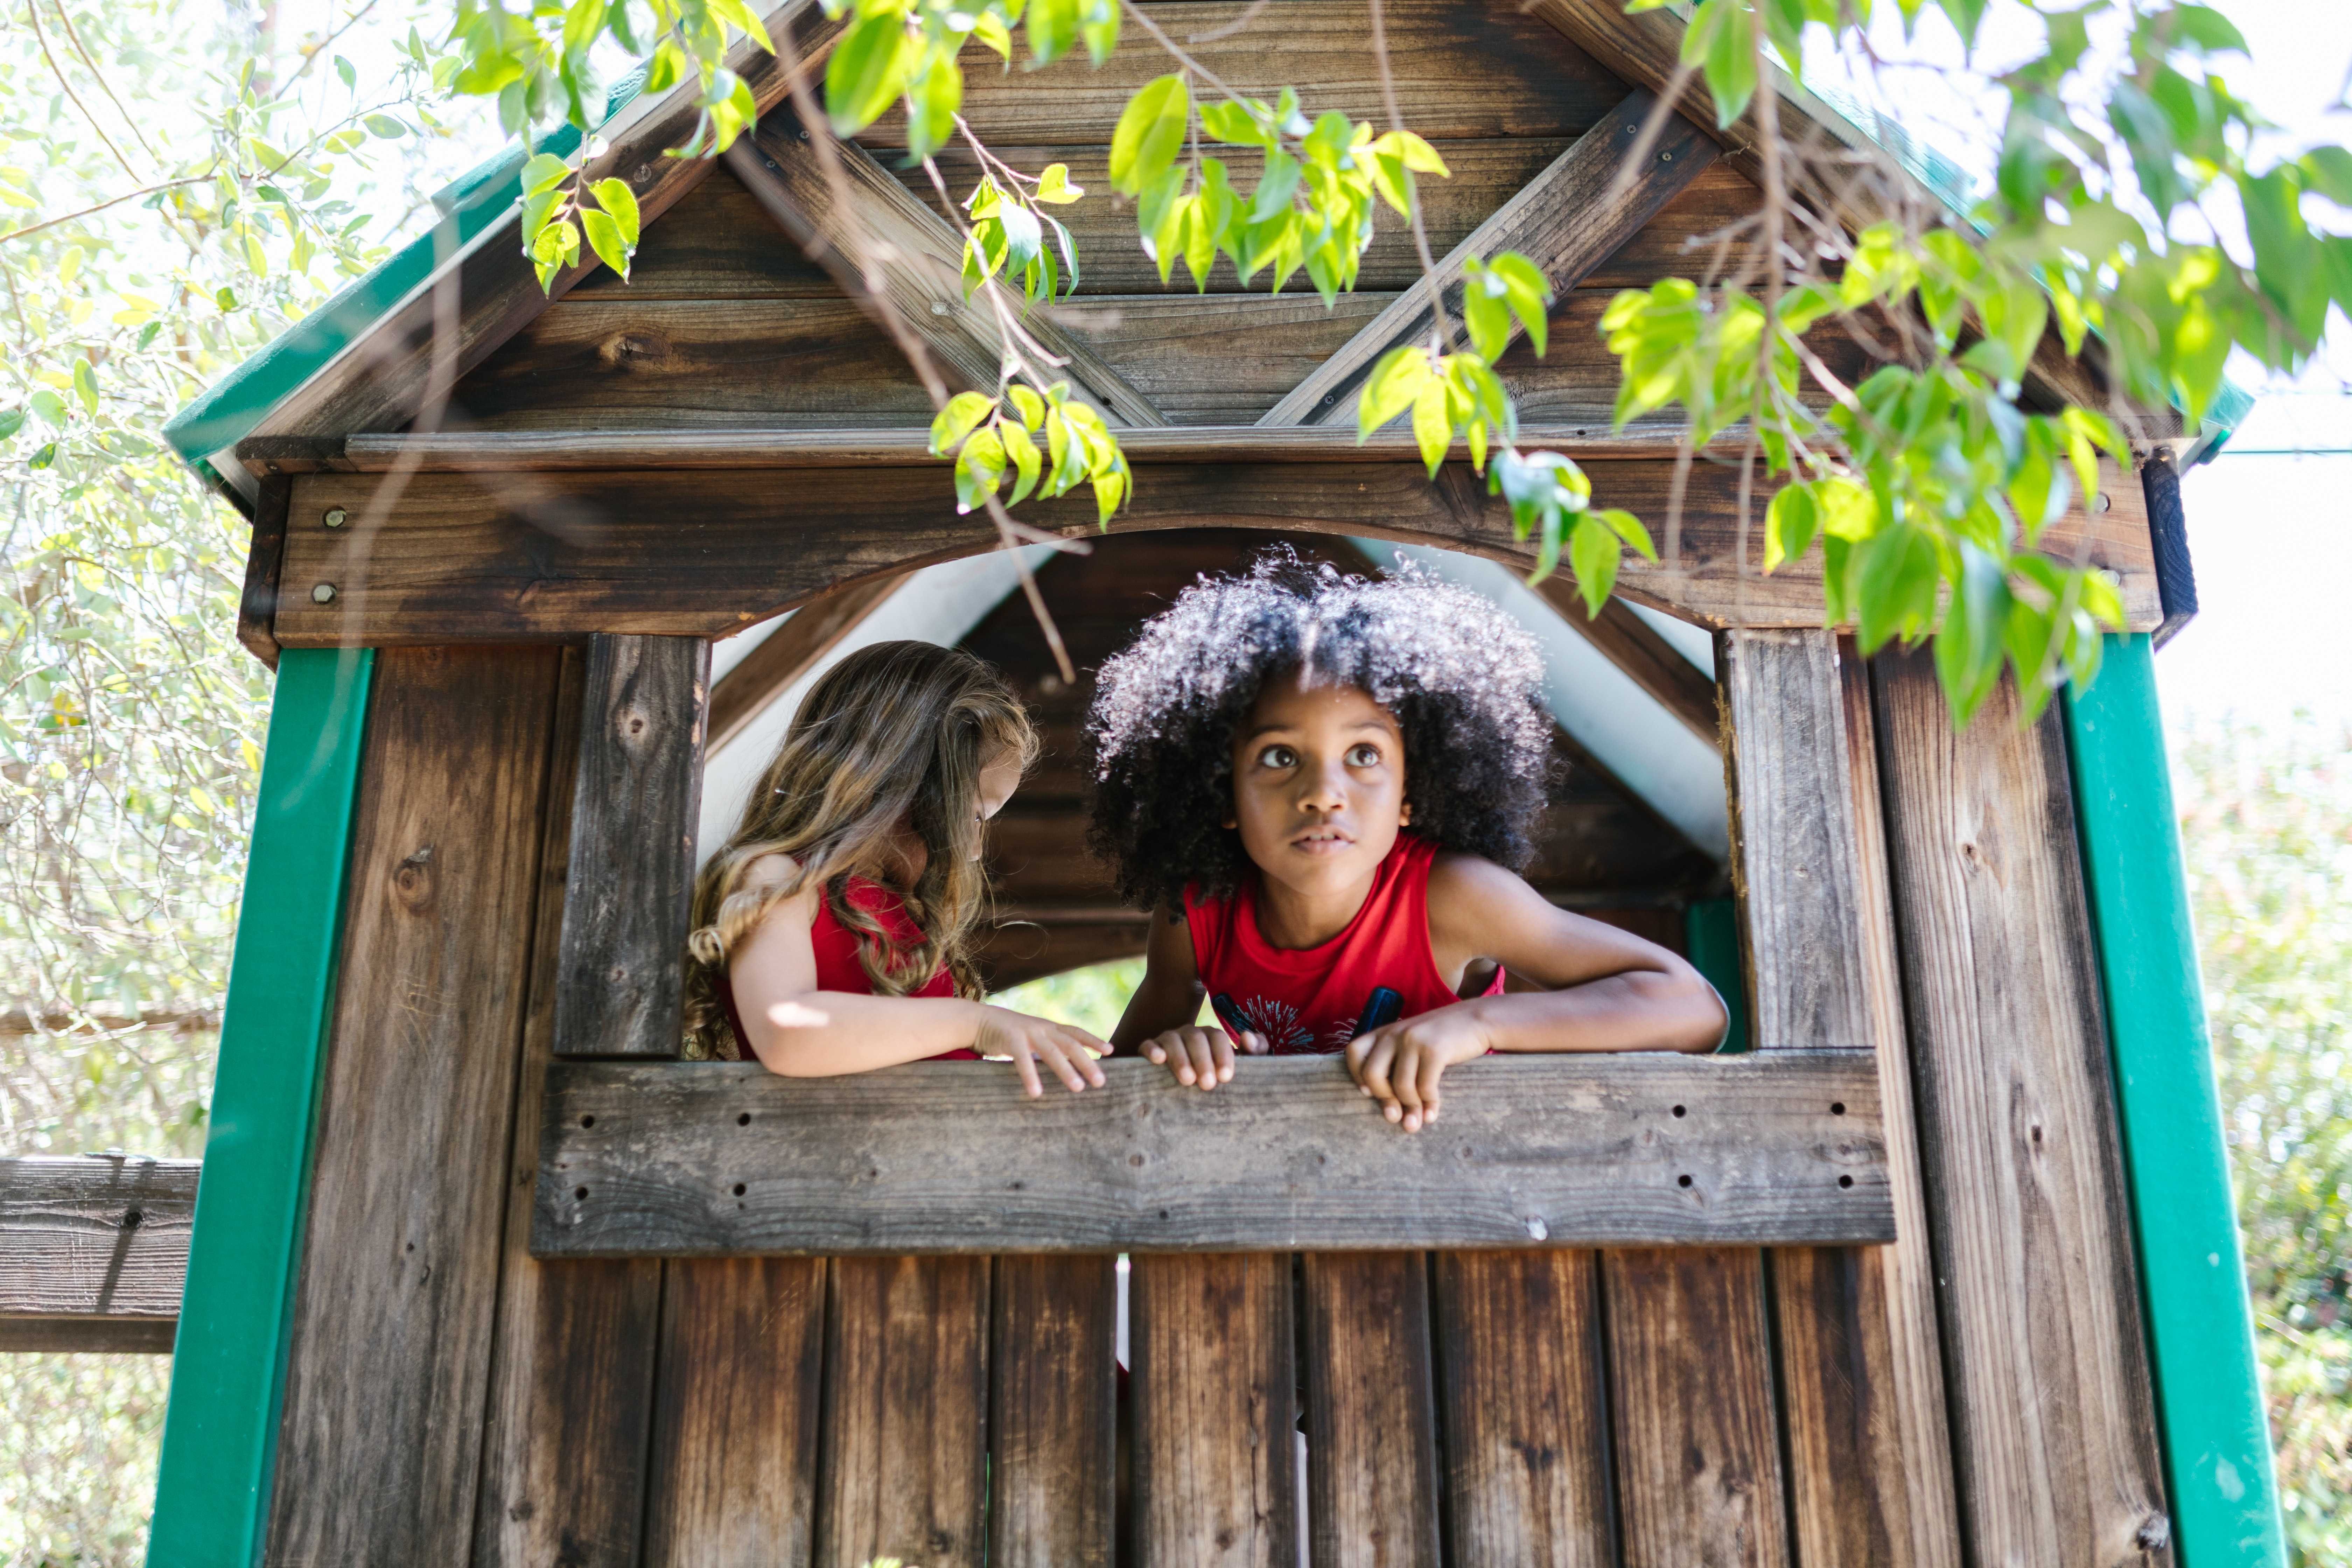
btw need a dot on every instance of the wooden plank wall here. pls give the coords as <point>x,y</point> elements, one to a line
<point>1627,1407</point>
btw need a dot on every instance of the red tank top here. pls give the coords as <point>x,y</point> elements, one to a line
<point>1317,999</point>
<point>837,968</point>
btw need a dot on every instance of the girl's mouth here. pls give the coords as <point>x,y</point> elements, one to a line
<point>1321,841</point>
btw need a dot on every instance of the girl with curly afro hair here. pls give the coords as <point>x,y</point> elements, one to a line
<point>1323,785</point>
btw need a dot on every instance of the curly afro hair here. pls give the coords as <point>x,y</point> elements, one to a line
<point>1459,675</point>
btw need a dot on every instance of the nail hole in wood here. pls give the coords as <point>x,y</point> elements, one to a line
<point>1682,1110</point>
<point>580,1192</point>
<point>1837,1107</point>
<point>587,1122</point>
<point>744,1120</point>
<point>739,1189</point>
<point>1845,1181</point>
<point>132,1220</point>
<point>1681,1181</point>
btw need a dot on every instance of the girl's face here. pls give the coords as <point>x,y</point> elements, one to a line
<point>998,780</point>
<point>1319,786</point>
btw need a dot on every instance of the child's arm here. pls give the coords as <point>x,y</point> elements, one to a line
<point>1159,1016</point>
<point>799,1031</point>
<point>1605,990</point>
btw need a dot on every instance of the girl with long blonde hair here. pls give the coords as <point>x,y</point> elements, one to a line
<point>832,929</point>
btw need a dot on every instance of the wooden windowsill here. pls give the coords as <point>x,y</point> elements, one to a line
<point>717,1159</point>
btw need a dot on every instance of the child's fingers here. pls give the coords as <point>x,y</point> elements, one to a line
<point>1025,1063</point>
<point>1433,1071</point>
<point>1203,1043</point>
<point>1255,1043</point>
<point>1155,1053</point>
<point>1221,1044</point>
<point>1405,1080</point>
<point>1374,1074</point>
<point>1057,1053</point>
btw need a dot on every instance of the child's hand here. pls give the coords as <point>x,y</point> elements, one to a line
<point>1400,1064</point>
<point>1067,1049</point>
<point>1199,1054</point>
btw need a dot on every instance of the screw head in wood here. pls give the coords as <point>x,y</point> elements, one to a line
<point>336,517</point>
<point>325,593</point>
<point>938,307</point>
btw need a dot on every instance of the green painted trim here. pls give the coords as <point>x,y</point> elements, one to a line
<point>1711,942</point>
<point>2217,1444</point>
<point>212,1499</point>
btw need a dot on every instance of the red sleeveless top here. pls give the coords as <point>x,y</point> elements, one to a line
<point>1317,999</point>
<point>837,968</point>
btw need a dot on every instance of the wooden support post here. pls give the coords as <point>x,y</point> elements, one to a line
<point>388,1369</point>
<point>918,256</point>
<point>2054,1426</point>
<point>1215,1437</point>
<point>620,987</point>
<point>1869,1458</point>
<point>1568,220</point>
<point>572,1370</point>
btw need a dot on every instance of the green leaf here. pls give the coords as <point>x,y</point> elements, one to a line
<point>1150,133</point>
<point>605,239</point>
<point>1392,388</point>
<point>1628,526</point>
<point>1028,404</point>
<point>990,30</point>
<point>2328,170</point>
<point>84,382</point>
<point>615,197</point>
<point>1721,42</point>
<point>1790,524</point>
<point>1593,553</point>
<point>11,421</point>
<point>42,459</point>
<point>933,101</point>
<point>1971,642</point>
<point>978,469</point>
<point>1485,313</point>
<point>1433,426</point>
<point>49,406</point>
<point>383,125</point>
<point>347,71</point>
<point>964,410</point>
<point>1026,461</point>
<point>1052,27</point>
<point>1238,124</point>
<point>1054,185</point>
<point>1276,186</point>
<point>867,73</point>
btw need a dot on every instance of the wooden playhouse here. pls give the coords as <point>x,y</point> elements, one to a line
<point>1941,1271</point>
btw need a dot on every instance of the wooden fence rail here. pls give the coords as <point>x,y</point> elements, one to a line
<point>723,1158</point>
<point>93,1252</point>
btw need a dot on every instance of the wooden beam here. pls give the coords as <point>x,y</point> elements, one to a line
<point>599,451</point>
<point>379,381</point>
<point>555,557</point>
<point>1568,220</point>
<point>788,653</point>
<point>2054,1420</point>
<point>635,805</point>
<point>264,556</point>
<point>920,256</point>
<point>93,1252</point>
<point>1539,1151</point>
<point>1648,659</point>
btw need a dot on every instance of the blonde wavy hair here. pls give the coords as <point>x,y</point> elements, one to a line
<point>892,738</point>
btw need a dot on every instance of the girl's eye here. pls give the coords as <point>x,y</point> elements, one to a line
<point>1364,755</point>
<point>1277,757</point>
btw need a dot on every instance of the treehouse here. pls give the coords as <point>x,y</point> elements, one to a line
<point>1939,1269</point>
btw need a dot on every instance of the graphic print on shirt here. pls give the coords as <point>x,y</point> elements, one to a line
<point>1277,1021</point>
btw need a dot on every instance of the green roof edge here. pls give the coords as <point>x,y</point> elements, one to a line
<point>226,411</point>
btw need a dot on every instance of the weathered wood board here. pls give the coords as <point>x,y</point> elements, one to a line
<point>93,1252</point>
<point>937,1157</point>
<point>388,1366</point>
<point>540,555</point>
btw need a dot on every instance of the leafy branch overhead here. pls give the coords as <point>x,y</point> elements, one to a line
<point>1927,482</point>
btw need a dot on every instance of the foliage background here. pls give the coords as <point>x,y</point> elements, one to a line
<point>130,722</point>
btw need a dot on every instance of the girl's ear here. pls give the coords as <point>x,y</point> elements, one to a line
<point>1404,816</point>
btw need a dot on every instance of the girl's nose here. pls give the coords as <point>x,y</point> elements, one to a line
<point>1322,789</point>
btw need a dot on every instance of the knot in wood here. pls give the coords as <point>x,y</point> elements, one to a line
<point>412,880</point>
<point>2155,1534</point>
<point>633,351</point>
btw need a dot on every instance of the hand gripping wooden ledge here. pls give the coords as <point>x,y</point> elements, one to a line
<point>686,1160</point>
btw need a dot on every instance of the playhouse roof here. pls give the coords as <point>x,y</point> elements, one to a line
<point>205,431</point>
